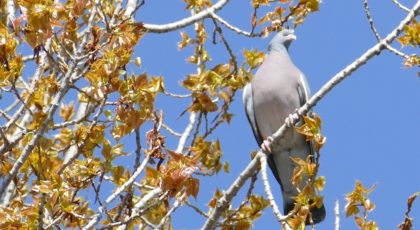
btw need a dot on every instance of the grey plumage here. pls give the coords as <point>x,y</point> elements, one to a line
<point>277,90</point>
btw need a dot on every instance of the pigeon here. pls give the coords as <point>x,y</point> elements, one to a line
<point>277,90</point>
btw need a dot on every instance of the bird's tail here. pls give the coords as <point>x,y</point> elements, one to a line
<point>317,214</point>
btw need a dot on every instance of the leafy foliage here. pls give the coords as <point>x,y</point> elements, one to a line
<point>407,224</point>
<point>304,176</point>
<point>358,199</point>
<point>412,38</point>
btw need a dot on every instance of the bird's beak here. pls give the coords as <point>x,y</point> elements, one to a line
<point>291,37</point>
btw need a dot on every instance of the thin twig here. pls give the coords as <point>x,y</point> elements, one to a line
<point>375,32</point>
<point>233,28</point>
<point>197,209</point>
<point>171,131</point>
<point>267,188</point>
<point>176,205</point>
<point>401,6</point>
<point>177,95</point>
<point>227,46</point>
<point>139,208</point>
<point>337,215</point>
<point>147,222</point>
<point>54,222</point>
<point>227,197</point>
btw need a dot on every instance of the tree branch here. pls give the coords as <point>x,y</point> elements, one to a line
<point>401,6</point>
<point>375,32</point>
<point>227,197</point>
<point>10,11</point>
<point>186,133</point>
<point>233,28</point>
<point>280,218</point>
<point>151,28</point>
<point>337,215</point>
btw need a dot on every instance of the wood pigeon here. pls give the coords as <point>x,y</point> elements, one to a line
<point>276,91</point>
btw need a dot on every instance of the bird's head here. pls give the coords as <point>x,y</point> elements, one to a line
<point>282,40</point>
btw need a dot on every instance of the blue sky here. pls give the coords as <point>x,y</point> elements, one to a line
<point>371,120</point>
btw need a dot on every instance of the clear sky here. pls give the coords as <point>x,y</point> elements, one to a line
<point>371,120</point>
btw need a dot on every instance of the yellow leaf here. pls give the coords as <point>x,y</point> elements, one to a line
<point>137,61</point>
<point>66,112</point>
<point>319,183</point>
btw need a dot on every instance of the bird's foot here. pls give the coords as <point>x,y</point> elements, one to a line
<point>290,120</point>
<point>265,146</point>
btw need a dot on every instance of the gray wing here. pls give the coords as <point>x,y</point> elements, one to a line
<point>250,114</point>
<point>303,89</point>
<point>304,95</point>
<point>249,110</point>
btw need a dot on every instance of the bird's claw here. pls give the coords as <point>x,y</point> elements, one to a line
<point>265,146</point>
<point>290,119</point>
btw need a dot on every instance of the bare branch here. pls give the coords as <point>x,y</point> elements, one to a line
<point>85,33</point>
<point>10,11</point>
<point>147,222</point>
<point>186,133</point>
<point>171,131</point>
<point>130,10</point>
<point>176,95</point>
<point>233,28</point>
<point>227,46</point>
<point>337,215</point>
<point>375,32</point>
<point>151,28</point>
<point>280,218</point>
<point>401,6</point>
<point>197,209</point>
<point>130,181</point>
<point>54,222</point>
